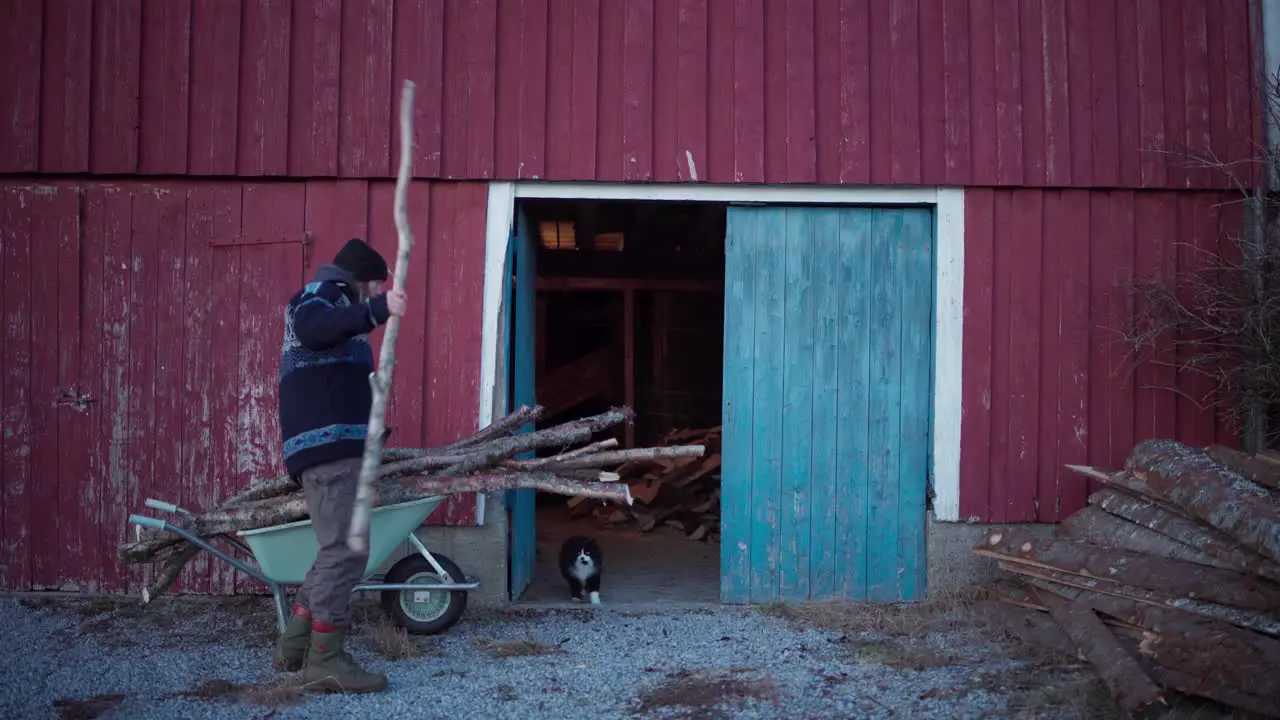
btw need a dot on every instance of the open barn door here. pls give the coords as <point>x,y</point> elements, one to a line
<point>827,387</point>
<point>522,259</point>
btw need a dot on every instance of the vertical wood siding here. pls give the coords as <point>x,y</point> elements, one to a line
<point>1033,93</point>
<point>828,324</point>
<point>142,324</point>
<point>1046,382</point>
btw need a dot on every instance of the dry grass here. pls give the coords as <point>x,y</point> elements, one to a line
<point>700,694</point>
<point>394,643</point>
<point>944,614</point>
<point>892,635</point>
<point>273,694</point>
<point>1048,689</point>
<point>899,654</point>
<point>87,708</point>
<point>515,648</point>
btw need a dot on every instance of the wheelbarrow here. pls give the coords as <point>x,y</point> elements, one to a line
<point>425,593</point>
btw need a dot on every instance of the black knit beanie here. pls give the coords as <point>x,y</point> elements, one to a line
<point>363,262</point>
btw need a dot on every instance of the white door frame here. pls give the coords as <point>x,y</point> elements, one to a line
<point>948,203</point>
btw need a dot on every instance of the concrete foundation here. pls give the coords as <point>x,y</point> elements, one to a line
<point>639,562</point>
<point>953,567</point>
<point>481,552</point>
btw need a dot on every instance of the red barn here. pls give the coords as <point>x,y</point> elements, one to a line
<point>889,234</point>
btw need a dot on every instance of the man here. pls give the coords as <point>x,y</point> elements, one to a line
<point>325,399</point>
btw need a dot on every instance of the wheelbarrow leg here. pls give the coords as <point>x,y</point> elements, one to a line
<point>281,598</point>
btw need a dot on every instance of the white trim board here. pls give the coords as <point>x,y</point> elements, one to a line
<point>948,283</point>
<point>499,215</point>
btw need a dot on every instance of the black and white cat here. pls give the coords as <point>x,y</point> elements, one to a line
<point>582,564</point>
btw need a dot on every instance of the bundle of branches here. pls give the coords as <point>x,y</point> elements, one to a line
<point>1168,579</point>
<point>480,463</point>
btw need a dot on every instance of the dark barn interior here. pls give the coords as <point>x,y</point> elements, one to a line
<point>630,309</point>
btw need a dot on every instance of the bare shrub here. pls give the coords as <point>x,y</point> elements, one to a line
<point>1220,319</point>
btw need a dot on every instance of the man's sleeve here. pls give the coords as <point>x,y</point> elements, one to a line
<point>319,322</point>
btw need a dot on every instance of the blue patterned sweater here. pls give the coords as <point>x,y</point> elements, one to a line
<point>325,362</point>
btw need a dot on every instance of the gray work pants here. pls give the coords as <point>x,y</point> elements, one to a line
<point>331,493</point>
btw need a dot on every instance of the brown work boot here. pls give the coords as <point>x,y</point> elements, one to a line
<point>291,648</point>
<point>329,668</point>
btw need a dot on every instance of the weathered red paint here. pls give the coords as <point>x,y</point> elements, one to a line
<point>1046,378</point>
<point>988,92</point>
<point>119,336</point>
<point>142,324</point>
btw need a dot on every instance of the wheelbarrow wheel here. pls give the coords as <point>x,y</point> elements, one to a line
<point>424,612</point>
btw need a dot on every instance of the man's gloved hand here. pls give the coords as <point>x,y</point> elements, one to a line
<point>386,435</point>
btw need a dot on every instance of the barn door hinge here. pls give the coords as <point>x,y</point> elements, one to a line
<point>308,249</point>
<point>301,238</point>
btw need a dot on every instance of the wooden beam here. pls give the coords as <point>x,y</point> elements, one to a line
<point>597,284</point>
<point>629,361</point>
<point>540,339</point>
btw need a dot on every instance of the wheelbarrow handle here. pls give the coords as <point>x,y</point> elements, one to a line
<point>148,522</point>
<point>163,506</point>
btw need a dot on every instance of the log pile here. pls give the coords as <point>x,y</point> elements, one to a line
<point>479,463</point>
<point>678,490</point>
<point>1168,580</point>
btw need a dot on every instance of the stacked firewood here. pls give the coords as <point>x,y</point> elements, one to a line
<point>479,463</point>
<point>1168,580</point>
<point>677,492</point>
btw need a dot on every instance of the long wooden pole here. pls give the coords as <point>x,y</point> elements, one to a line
<point>381,380</point>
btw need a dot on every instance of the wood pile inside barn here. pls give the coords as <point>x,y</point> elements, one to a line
<point>1168,580</point>
<point>681,493</point>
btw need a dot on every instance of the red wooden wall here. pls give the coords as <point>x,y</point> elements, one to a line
<point>1046,379</point>
<point>1054,93</point>
<point>142,324</point>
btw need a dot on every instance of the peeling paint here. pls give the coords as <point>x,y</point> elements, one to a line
<point>74,400</point>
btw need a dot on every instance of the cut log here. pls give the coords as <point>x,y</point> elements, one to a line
<point>169,572</point>
<point>1222,654</point>
<point>645,491</point>
<point>1126,481</point>
<point>291,509</point>
<point>710,465</point>
<point>1209,541</point>
<point>1193,684</point>
<point>620,456</point>
<point>1252,620</point>
<point>1210,492</point>
<point>1132,689</point>
<point>1095,526</point>
<point>498,428</point>
<point>544,481</point>
<point>1026,596</point>
<point>564,435</point>
<point>1260,471</point>
<point>1174,577</point>
<point>1039,631</point>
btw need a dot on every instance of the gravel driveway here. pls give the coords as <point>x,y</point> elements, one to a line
<point>202,659</point>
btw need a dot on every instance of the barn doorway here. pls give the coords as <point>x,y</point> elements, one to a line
<point>629,310</point>
<point>841,319</point>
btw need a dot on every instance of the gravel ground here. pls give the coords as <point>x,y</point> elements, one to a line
<point>199,659</point>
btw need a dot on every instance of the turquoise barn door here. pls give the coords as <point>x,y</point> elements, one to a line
<point>828,379</point>
<point>522,256</point>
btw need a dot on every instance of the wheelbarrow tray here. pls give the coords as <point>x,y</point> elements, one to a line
<point>285,552</point>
